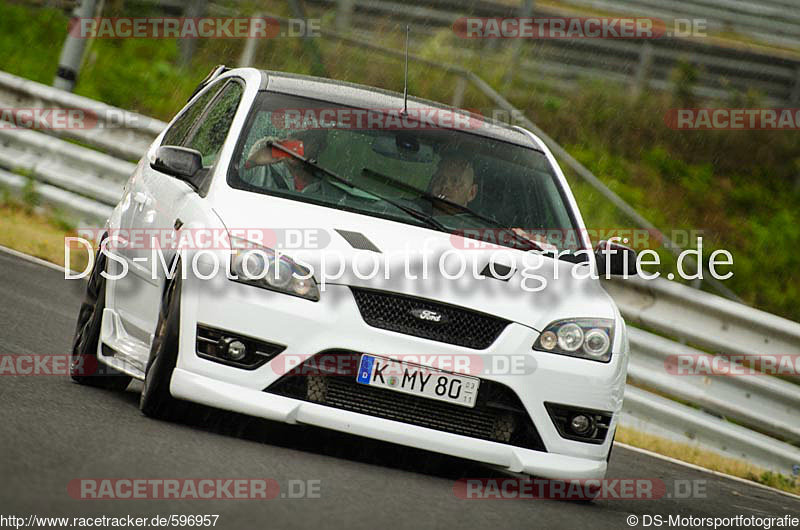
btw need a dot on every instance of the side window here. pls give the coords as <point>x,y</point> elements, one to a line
<point>179,130</point>
<point>209,135</point>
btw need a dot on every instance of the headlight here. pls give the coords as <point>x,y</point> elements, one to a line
<point>588,338</point>
<point>570,337</point>
<point>263,267</point>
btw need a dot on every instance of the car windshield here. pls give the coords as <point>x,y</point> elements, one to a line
<point>459,181</point>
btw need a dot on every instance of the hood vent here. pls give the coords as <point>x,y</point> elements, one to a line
<point>358,240</point>
<point>503,272</point>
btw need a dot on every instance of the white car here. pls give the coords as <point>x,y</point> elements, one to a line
<point>507,352</point>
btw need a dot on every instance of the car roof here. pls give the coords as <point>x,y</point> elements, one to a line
<point>367,97</point>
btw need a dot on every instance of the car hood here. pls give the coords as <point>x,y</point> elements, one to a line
<point>540,289</point>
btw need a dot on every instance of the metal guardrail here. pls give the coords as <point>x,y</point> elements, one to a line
<point>119,132</point>
<point>75,206</point>
<point>82,179</point>
<point>659,416</point>
<point>775,21</point>
<point>765,410</point>
<point>68,166</point>
<point>89,182</point>
<point>703,319</point>
<point>84,182</point>
<point>722,70</point>
<point>768,404</point>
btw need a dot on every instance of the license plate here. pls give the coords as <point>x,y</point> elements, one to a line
<point>418,380</point>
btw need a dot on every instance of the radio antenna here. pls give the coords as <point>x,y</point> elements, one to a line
<point>405,84</point>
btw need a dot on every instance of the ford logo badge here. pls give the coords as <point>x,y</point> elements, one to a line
<point>429,316</point>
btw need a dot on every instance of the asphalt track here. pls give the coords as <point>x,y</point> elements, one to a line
<point>53,431</point>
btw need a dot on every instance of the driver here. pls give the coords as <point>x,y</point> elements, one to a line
<point>454,180</point>
<point>286,172</point>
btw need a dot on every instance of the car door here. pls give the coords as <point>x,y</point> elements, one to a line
<point>160,200</point>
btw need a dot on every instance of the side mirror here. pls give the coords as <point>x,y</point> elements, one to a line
<point>615,259</point>
<point>180,162</point>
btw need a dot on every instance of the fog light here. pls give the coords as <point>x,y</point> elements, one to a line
<point>232,348</point>
<point>237,350</point>
<point>581,424</point>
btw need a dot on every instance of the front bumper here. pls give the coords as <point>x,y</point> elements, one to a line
<point>208,391</point>
<point>306,328</point>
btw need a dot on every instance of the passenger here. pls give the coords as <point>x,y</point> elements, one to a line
<point>286,172</point>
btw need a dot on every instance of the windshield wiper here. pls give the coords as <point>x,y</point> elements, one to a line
<point>529,243</point>
<point>430,221</point>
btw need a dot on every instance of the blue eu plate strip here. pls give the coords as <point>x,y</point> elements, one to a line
<point>365,369</point>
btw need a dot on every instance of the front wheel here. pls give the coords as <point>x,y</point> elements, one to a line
<point>156,400</point>
<point>84,366</point>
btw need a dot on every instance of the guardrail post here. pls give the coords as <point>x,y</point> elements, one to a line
<point>643,70</point>
<point>525,11</point>
<point>298,10</point>
<point>72,53</point>
<point>795,97</point>
<point>250,44</point>
<point>458,92</point>
<point>344,13</point>
<point>188,46</point>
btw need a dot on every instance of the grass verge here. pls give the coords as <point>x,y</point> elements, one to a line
<point>38,232</point>
<point>707,459</point>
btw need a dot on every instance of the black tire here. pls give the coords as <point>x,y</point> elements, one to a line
<point>592,495</point>
<point>84,366</point>
<point>611,447</point>
<point>156,400</point>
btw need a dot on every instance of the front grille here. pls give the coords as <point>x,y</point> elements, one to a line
<point>498,415</point>
<point>459,326</point>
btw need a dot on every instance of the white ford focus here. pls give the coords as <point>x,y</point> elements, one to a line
<point>398,270</point>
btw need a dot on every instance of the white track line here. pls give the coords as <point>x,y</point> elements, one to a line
<point>706,470</point>
<point>59,268</point>
<point>32,259</point>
